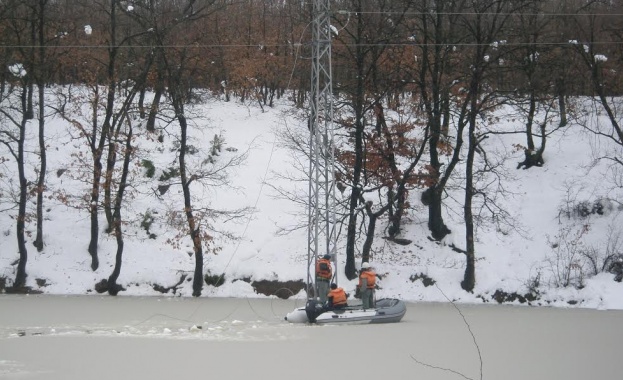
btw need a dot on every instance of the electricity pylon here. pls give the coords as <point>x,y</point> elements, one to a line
<point>321,217</point>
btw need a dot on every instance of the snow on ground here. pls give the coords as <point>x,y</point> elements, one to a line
<point>513,258</point>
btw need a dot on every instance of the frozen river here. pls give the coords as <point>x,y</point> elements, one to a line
<point>103,337</point>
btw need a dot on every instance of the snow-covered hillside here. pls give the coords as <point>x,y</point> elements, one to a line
<point>541,248</point>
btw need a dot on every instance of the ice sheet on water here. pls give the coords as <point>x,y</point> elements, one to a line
<point>234,330</point>
<point>13,369</point>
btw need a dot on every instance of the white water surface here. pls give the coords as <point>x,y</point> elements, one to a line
<point>103,337</point>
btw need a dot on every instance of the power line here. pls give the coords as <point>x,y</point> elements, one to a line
<point>391,44</point>
<point>468,44</point>
<point>432,13</point>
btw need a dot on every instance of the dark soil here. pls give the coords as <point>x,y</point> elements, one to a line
<point>281,289</point>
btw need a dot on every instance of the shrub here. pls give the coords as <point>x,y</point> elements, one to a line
<point>214,279</point>
<point>565,261</point>
<point>584,209</point>
<point>427,281</point>
<point>190,149</point>
<point>149,166</point>
<point>607,258</point>
<point>169,173</point>
<point>533,284</point>
<point>217,144</point>
<point>146,223</point>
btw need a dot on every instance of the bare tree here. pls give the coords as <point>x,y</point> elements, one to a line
<point>598,45</point>
<point>104,128</point>
<point>384,174</point>
<point>117,225</point>
<point>22,19</point>
<point>485,24</point>
<point>44,43</point>
<point>14,111</point>
<point>28,22</point>
<point>178,64</point>
<point>365,35</point>
<point>436,35</point>
<point>536,75</point>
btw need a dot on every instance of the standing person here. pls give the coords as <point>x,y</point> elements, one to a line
<point>337,298</point>
<point>324,273</point>
<point>367,280</point>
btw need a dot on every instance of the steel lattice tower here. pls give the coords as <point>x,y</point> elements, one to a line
<point>321,218</point>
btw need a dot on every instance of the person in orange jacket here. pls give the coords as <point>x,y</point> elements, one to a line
<point>324,273</point>
<point>367,281</point>
<point>336,298</point>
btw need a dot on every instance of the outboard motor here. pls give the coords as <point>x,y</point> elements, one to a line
<point>313,309</point>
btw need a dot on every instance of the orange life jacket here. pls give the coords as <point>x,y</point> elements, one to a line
<point>338,295</point>
<point>368,275</point>
<point>323,269</point>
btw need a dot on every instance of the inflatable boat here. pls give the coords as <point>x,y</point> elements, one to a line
<point>386,310</point>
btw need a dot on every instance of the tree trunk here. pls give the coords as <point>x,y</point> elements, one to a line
<point>432,198</point>
<point>349,270</point>
<point>469,278</point>
<point>599,89</point>
<point>562,104</point>
<point>93,211</point>
<point>530,121</point>
<point>367,245</point>
<point>42,170</point>
<point>108,181</point>
<point>195,229</point>
<point>29,111</point>
<point>373,217</point>
<point>113,287</point>
<point>42,149</point>
<point>153,110</point>
<point>434,91</point>
<point>394,214</point>
<point>20,276</point>
<point>141,102</point>
<point>106,126</point>
<point>445,109</point>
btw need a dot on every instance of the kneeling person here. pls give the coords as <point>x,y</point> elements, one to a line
<point>336,298</point>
